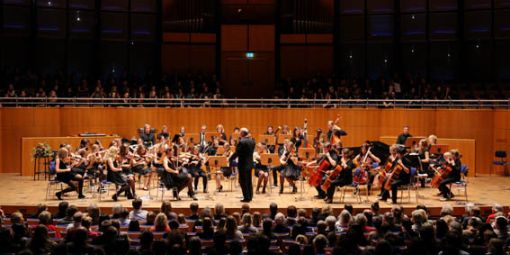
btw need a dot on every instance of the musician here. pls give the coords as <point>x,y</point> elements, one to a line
<point>195,167</point>
<point>95,166</point>
<point>127,171</point>
<point>182,131</point>
<point>157,162</point>
<point>398,176</point>
<point>202,139</point>
<point>226,171</point>
<point>364,160</point>
<point>381,175</point>
<point>453,165</point>
<point>234,137</point>
<point>330,157</point>
<point>164,132</point>
<point>291,170</point>
<point>79,162</point>
<point>401,139</point>
<point>114,175</point>
<point>244,154</point>
<point>66,175</point>
<point>222,137</point>
<point>297,137</point>
<point>318,141</point>
<point>261,171</point>
<point>424,154</point>
<point>147,134</point>
<point>271,148</point>
<point>140,164</point>
<point>175,178</point>
<point>345,176</point>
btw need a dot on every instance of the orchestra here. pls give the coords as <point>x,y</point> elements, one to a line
<point>177,162</point>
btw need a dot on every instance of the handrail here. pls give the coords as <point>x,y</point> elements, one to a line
<point>254,102</point>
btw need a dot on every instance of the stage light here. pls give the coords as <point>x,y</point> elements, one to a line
<point>477,46</point>
<point>50,3</point>
<point>413,17</point>
<point>78,16</point>
<point>249,55</point>
<point>385,60</point>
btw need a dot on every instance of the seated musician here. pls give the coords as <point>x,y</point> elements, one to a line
<point>225,171</point>
<point>222,137</point>
<point>424,154</point>
<point>175,178</point>
<point>196,167</point>
<point>452,162</point>
<point>148,135</point>
<point>127,171</point>
<point>66,175</point>
<point>364,160</point>
<point>95,166</point>
<point>114,175</point>
<point>80,162</point>
<point>291,170</point>
<point>140,162</point>
<point>261,171</point>
<point>398,175</point>
<point>272,149</point>
<point>345,176</point>
<point>164,132</point>
<point>327,162</point>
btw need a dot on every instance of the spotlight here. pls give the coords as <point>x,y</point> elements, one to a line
<point>413,17</point>
<point>50,3</point>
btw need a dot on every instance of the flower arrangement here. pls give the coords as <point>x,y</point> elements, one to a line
<point>41,150</point>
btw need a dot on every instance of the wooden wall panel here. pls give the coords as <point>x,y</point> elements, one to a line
<point>261,38</point>
<point>301,61</point>
<point>489,128</point>
<point>174,58</point>
<point>184,58</point>
<point>234,38</point>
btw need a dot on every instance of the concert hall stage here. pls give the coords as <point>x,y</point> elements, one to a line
<point>22,193</point>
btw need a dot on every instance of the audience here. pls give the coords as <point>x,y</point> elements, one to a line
<point>366,232</point>
<point>133,91</point>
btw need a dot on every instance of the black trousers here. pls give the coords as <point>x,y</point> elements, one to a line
<point>443,187</point>
<point>337,183</point>
<point>246,182</point>
<point>394,190</point>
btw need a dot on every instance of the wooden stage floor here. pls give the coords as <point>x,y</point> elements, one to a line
<point>22,193</point>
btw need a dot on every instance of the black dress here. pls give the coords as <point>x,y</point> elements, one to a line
<point>65,176</point>
<point>115,176</point>
<point>171,180</point>
<point>291,170</point>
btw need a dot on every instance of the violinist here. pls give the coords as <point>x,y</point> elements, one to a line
<point>398,175</point>
<point>344,177</point>
<point>297,137</point>
<point>364,161</point>
<point>95,166</point>
<point>79,162</point>
<point>114,175</point>
<point>127,171</point>
<point>65,175</point>
<point>290,172</point>
<point>195,167</point>
<point>140,162</point>
<point>450,172</point>
<point>261,171</point>
<point>225,171</point>
<point>176,177</point>
<point>222,137</point>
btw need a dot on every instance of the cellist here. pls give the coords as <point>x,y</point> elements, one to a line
<point>452,166</point>
<point>398,176</point>
<point>364,161</point>
<point>326,162</point>
<point>345,176</point>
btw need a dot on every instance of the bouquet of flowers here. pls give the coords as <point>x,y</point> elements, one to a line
<point>42,150</point>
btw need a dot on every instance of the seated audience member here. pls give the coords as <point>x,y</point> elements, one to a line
<point>137,213</point>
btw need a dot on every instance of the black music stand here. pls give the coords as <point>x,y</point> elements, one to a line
<point>439,149</point>
<point>270,160</point>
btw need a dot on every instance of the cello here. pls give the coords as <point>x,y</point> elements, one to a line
<point>336,172</point>
<point>317,174</point>
<point>396,170</point>
<point>441,173</point>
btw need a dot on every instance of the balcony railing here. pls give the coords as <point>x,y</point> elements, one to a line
<point>253,103</point>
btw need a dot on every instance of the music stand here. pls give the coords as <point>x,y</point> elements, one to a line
<point>283,137</point>
<point>267,139</point>
<point>220,151</point>
<point>438,149</point>
<point>216,162</point>
<point>270,160</point>
<point>306,154</point>
<point>413,141</point>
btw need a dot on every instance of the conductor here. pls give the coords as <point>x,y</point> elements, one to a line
<point>244,153</point>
